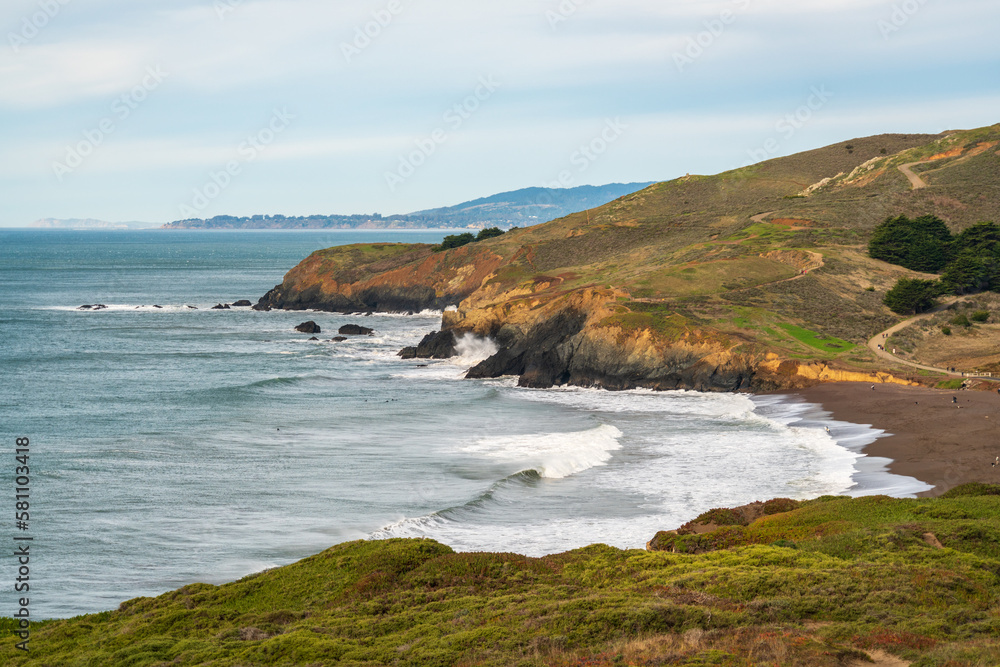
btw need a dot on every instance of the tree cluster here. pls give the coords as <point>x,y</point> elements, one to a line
<point>967,262</point>
<point>459,240</point>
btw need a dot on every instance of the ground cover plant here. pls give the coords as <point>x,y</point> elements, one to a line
<point>829,581</point>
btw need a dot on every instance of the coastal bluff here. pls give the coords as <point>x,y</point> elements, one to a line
<point>754,279</point>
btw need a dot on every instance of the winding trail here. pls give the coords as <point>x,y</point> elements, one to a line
<point>883,336</point>
<point>915,180</point>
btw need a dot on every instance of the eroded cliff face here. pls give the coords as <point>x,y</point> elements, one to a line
<point>547,336</point>
<point>385,277</point>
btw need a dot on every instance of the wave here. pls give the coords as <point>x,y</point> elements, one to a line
<point>419,526</point>
<point>552,455</point>
<point>132,307</point>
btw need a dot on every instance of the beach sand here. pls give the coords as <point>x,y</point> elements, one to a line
<point>934,440</point>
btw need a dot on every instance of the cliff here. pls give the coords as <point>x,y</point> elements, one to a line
<point>754,279</point>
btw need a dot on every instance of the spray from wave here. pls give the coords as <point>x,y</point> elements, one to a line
<point>552,455</point>
<point>471,349</point>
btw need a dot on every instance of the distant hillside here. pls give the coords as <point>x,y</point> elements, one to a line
<point>520,208</point>
<point>89,223</point>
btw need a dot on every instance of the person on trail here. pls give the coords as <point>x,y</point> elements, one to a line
<point>997,462</point>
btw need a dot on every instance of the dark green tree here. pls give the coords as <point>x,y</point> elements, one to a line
<point>912,295</point>
<point>489,233</point>
<point>923,244</point>
<point>456,241</point>
<point>983,238</point>
<point>970,272</point>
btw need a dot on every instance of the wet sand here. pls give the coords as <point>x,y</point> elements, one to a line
<point>939,442</point>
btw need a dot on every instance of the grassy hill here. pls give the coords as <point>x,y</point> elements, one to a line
<point>767,261</point>
<point>828,582</point>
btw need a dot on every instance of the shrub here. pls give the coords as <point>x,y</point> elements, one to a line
<point>912,295</point>
<point>489,233</point>
<point>980,316</point>
<point>961,320</point>
<point>870,289</point>
<point>946,330</point>
<point>923,244</point>
<point>456,241</point>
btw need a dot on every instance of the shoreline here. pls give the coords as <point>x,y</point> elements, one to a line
<point>927,436</point>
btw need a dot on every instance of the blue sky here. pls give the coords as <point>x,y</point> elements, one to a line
<point>158,110</point>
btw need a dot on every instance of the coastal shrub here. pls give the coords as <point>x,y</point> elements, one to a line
<point>489,233</point>
<point>923,244</point>
<point>961,320</point>
<point>912,295</point>
<point>459,240</point>
<point>980,316</point>
<point>455,241</point>
<point>972,490</point>
<point>946,330</point>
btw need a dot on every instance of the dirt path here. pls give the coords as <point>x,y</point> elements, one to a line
<point>882,337</point>
<point>915,180</point>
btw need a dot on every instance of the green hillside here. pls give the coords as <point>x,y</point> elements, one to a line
<point>828,582</point>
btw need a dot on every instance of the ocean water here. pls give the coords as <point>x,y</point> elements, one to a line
<point>175,444</point>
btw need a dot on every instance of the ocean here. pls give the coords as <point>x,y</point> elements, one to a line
<point>172,443</point>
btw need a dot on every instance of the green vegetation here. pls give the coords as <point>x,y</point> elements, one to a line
<point>818,341</point>
<point>818,583</point>
<point>980,316</point>
<point>969,262</point>
<point>946,330</point>
<point>912,295</point>
<point>923,244</point>
<point>459,240</point>
<point>961,320</point>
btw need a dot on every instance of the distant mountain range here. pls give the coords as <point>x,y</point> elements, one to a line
<point>519,208</point>
<point>89,223</point>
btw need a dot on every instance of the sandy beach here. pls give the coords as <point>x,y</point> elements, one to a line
<point>935,440</point>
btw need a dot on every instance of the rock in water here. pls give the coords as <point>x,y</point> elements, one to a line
<point>355,330</point>
<point>338,339</point>
<point>221,306</point>
<point>436,345</point>
<point>242,303</point>
<point>309,327</point>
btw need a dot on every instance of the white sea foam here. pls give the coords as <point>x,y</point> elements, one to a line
<point>471,350</point>
<point>552,455</point>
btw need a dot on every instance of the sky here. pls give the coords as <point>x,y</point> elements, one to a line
<point>170,109</point>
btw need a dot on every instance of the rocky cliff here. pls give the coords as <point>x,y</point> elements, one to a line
<point>753,279</point>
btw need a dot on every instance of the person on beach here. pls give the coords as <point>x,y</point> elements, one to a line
<point>997,462</point>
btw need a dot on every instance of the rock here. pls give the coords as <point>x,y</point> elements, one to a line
<point>436,345</point>
<point>100,306</point>
<point>355,330</point>
<point>338,339</point>
<point>309,327</point>
<point>192,307</point>
<point>160,307</point>
<point>242,303</point>
<point>88,307</point>
<point>221,306</point>
<point>314,338</point>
